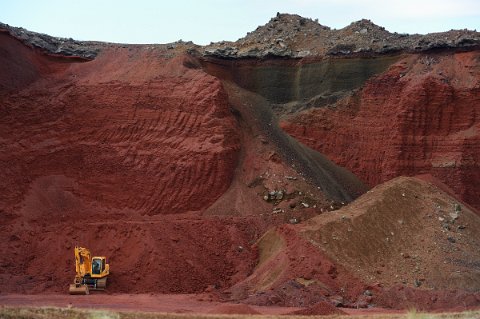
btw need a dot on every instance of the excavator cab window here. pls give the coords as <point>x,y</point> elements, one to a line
<point>96,266</point>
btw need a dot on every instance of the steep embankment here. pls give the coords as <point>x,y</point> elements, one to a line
<point>420,116</point>
<point>380,117</point>
<point>126,160</point>
<point>152,137</point>
<point>416,109</point>
<point>91,149</point>
<point>18,74</point>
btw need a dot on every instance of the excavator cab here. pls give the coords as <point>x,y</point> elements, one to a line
<point>99,267</point>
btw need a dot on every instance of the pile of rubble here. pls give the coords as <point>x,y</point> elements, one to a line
<point>54,45</point>
<point>293,36</point>
<point>287,36</point>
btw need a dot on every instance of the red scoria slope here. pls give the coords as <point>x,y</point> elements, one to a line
<point>124,154</point>
<point>406,241</point>
<point>91,149</point>
<point>129,130</point>
<point>171,162</point>
<point>420,116</point>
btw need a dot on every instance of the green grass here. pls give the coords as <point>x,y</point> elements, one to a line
<point>75,313</point>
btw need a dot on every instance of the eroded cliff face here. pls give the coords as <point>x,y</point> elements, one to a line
<point>126,153</point>
<point>190,161</point>
<point>98,153</point>
<point>154,137</point>
<point>420,116</point>
<point>378,116</point>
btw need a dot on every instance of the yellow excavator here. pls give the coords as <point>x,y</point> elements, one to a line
<point>91,272</point>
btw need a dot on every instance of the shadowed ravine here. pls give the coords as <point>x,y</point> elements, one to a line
<point>337,183</point>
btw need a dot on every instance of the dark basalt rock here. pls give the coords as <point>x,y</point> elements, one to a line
<point>53,45</point>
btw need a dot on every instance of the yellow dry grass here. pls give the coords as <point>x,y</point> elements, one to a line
<point>75,313</point>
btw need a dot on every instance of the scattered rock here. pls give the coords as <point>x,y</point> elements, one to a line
<point>53,45</point>
<point>303,54</point>
<point>337,301</point>
<point>457,208</point>
<point>279,195</point>
<point>275,195</point>
<point>454,216</point>
<point>284,36</point>
<point>293,221</point>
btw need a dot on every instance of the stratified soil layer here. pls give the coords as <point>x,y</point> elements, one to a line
<point>242,173</point>
<point>420,116</point>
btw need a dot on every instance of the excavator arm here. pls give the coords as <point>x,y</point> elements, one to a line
<point>83,262</point>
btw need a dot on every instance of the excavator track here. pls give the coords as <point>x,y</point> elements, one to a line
<point>101,284</point>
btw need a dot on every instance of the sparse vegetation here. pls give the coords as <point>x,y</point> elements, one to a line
<point>75,313</point>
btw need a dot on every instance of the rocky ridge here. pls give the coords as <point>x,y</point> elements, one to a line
<point>59,46</point>
<point>293,36</point>
<point>285,36</point>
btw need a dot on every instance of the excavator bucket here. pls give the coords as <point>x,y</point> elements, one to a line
<point>78,289</point>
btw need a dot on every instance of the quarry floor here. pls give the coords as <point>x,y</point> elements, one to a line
<point>164,303</point>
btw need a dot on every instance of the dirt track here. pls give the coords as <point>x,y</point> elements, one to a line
<point>184,303</point>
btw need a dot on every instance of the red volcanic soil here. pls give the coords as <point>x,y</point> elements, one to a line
<point>138,155</point>
<point>173,165</point>
<point>420,116</point>
<point>116,138</point>
<point>322,308</point>
<point>403,244</point>
<point>92,150</point>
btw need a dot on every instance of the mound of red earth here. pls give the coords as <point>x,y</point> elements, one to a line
<point>174,161</point>
<point>379,250</point>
